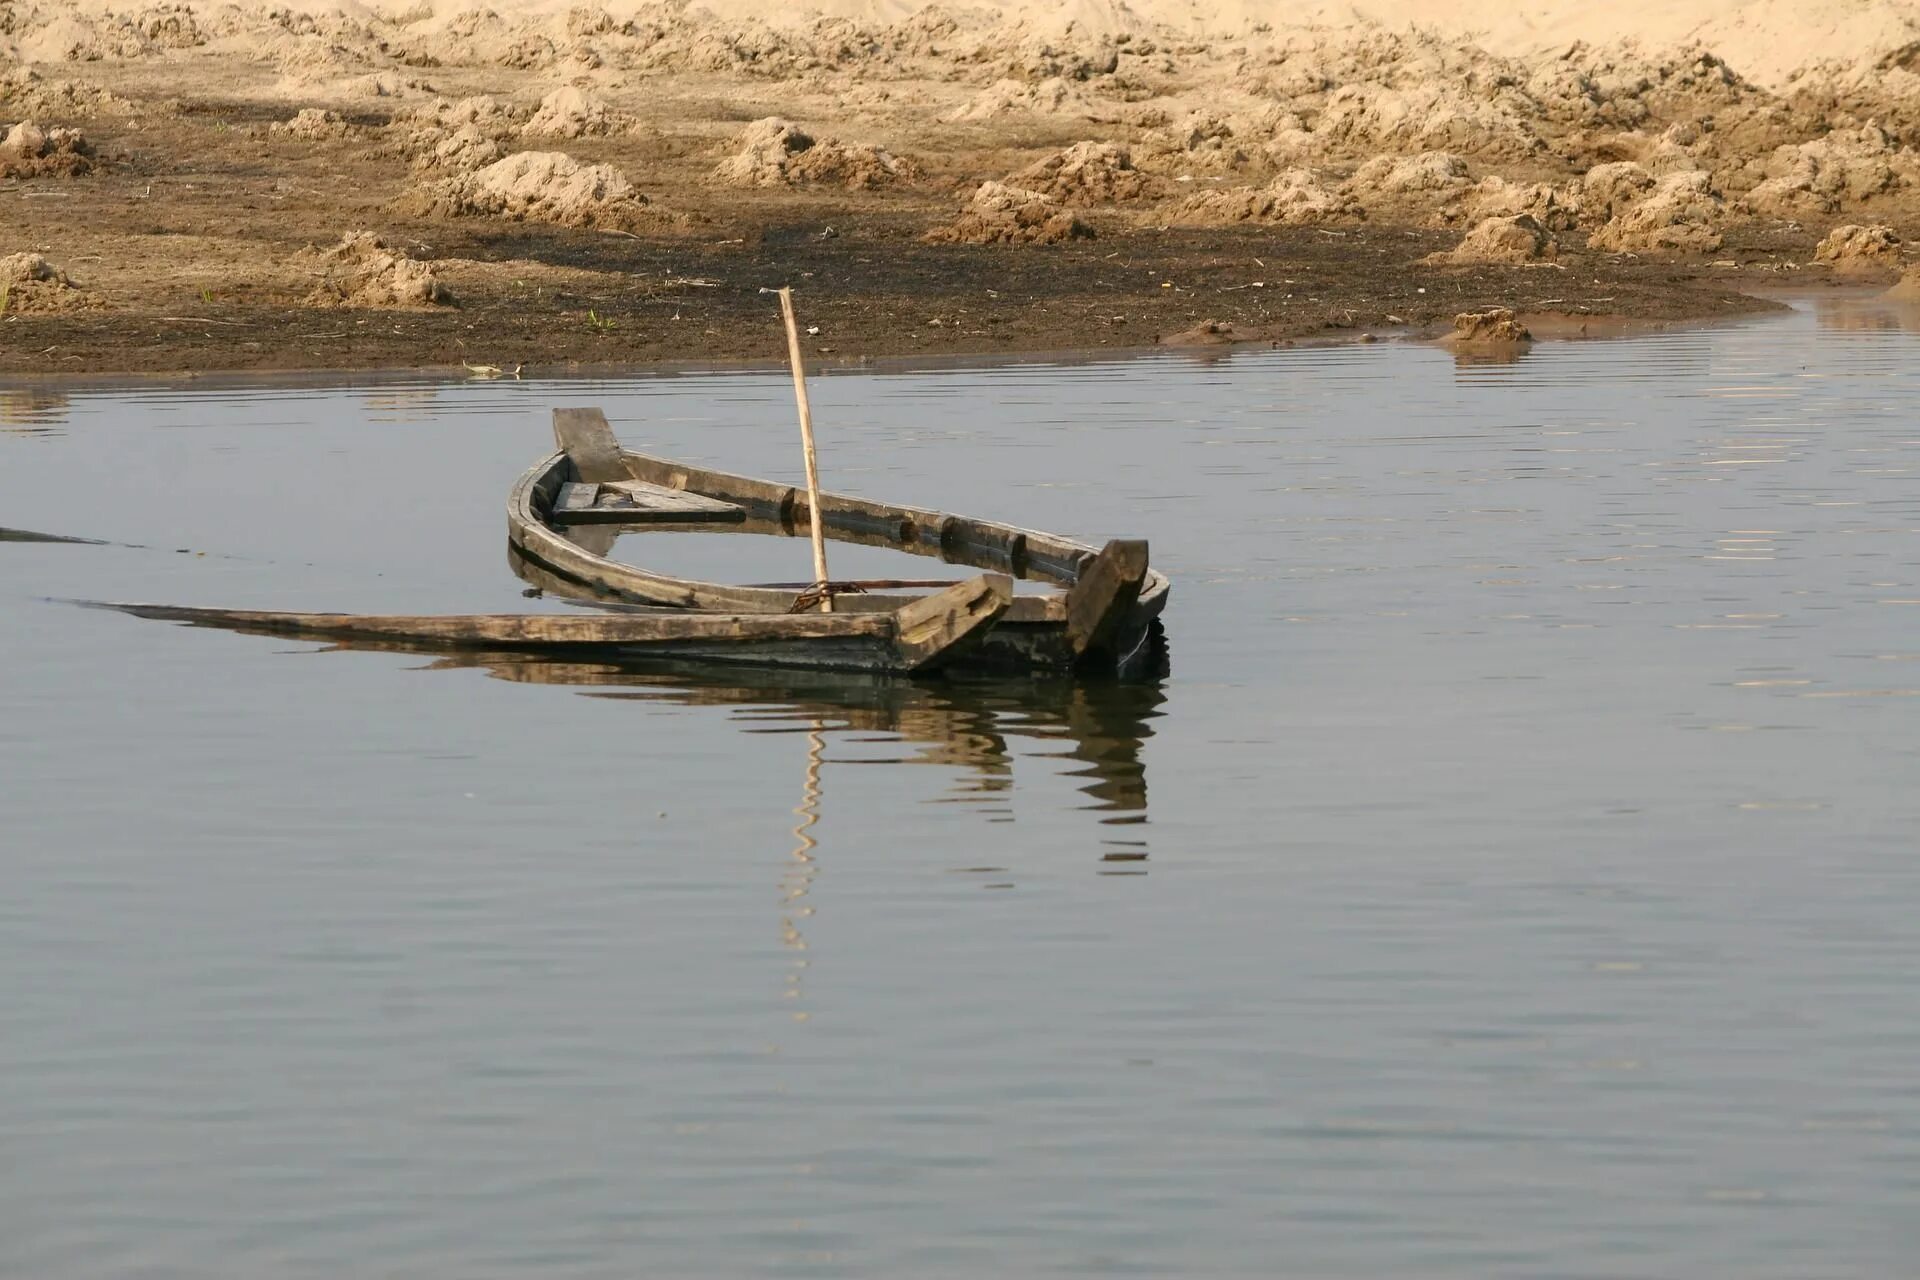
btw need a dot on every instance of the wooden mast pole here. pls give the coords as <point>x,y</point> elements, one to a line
<point>806,440</point>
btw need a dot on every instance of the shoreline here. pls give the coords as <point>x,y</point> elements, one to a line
<point>234,188</point>
<point>1547,328</point>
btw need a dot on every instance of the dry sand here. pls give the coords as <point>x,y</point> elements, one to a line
<point>614,181</point>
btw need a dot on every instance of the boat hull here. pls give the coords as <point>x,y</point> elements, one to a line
<point>1104,620</point>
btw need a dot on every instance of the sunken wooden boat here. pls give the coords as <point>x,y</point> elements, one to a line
<point>564,514</point>
<point>922,636</point>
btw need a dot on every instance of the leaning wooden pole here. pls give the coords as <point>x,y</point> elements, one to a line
<point>806,441</point>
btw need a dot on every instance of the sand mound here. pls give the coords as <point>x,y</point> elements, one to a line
<point>1000,214</point>
<point>31,94</point>
<point>1854,250</point>
<point>1215,141</point>
<point>1908,290</point>
<point>170,26</point>
<point>364,270</point>
<point>1849,166</point>
<point>1050,97</point>
<point>72,38</point>
<point>1496,197</point>
<point>28,151</point>
<point>1433,116</point>
<point>537,186</point>
<point>1681,214</point>
<point>481,111</point>
<point>313,124</point>
<point>774,152</point>
<point>1295,198</point>
<point>1208,333</point>
<point>30,285</point>
<point>1495,328</point>
<point>1608,190</point>
<point>1431,174</point>
<point>574,113</point>
<point>1086,173</point>
<point>462,151</point>
<point>1516,239</point>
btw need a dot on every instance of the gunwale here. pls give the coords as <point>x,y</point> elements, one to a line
<point>919,637</point>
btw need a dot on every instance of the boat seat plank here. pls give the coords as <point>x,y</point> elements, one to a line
<point>585,437</point>
<point>637,502</point>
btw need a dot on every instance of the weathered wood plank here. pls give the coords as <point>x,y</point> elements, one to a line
<point>583,434</point>
<point>986,545</point>
<point>575,498</point>
<point>636,502</point>
<point>762,497</point>
<point>676,502</point>
<point>952,620</point>
<point>943,626</point>
<point>559,630</point>
<point>1105,594</point>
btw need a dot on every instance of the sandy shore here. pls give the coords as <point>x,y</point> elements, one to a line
<point>191,187</point>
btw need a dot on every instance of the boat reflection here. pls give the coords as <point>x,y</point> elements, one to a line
<point>965,725</point>
<point>971,726</point>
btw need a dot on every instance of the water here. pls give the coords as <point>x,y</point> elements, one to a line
<point>1515,877</point>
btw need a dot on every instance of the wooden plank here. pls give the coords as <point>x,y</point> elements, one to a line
<point>1056,559</point>
<point>762,497</point>
<point>528,628</point>
<point>575,498</point>
<point>1105,594</point>
<point>938,628</point>
<point>676,502</point>
<point>985,545</point>
<point>583,434</point>
<point>634,502</point>
<point>919,636</point>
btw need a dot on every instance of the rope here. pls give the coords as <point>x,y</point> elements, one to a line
<point>810,598</point>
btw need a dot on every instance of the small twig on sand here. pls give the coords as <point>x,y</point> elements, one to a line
<point>237,324</point>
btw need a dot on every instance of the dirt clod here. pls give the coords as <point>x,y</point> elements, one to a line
<point>313,124</point>
<point>29,151</point>
<point>30,285</point>
<point>366,270</point>
<point>1001,214</point>
<point>538,186</point>
<point>1681,214</point>
<point>573,113</point>
<point>774,152</point>
<point>1517,239</point>
<point>1856,250</point>
<point>1295,198</point>
<point>1208,333</point>
<point>1086,173</point>
<point>1496,327</point>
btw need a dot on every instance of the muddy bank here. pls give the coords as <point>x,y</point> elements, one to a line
<point>194,187</point>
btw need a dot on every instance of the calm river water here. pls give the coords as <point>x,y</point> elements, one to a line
<point>1515,877</point>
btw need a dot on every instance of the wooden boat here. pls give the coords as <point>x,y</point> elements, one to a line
<point>921,636</point>
<point>565,512</point>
